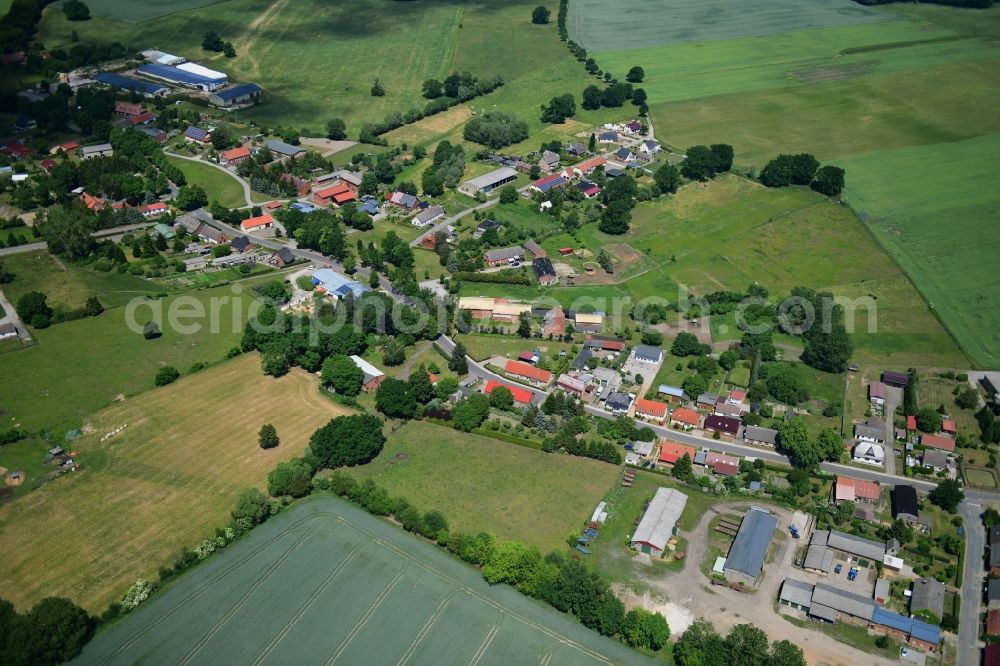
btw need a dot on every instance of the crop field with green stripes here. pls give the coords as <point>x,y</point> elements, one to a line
<point>328,583</point>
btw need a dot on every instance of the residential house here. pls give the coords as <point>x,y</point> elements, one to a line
<point>197,135</point>
<point>609,381</point>
<point>614,173</point>
<point>683,417</point>
<point>188,222</point>
<point>650,147</point>
<point>647,354</point>
<point>904,503</point>
<point>427,217</point>
<point>544,271</point>
<point>725,409</point>
<point>576,149</point>
<point>993,624</point>
<point>211,235</point>
<point>154,209</point>
<point>586,167</point>
<point>571,384</point>
<point>948,426</point>
<point>590,190</point>
<point>938,460</point>
<point>505,255</point>
<point>241,244</point>
<point>671,452</point>
<point>522,396</point>
<point>404,200</point>
<point>282,258</point>
<point>870,434</point>
<point>234,155</point>
<point>67,148</point>
<point>549,182</point>
<point>484,226</point>
<point>758,436</point>
<point>624,155</point>
<point>128,109</point>
<point>256,224</point>
<point>707,401</point>
<point>726,426</point>
<point>371,376</point>
<point>607,137</point>
<point>617,403</point>
<point>651,409</point>
<point>854,490</point>
<point>580,362</point>
<point>549,161</point>
<point>528,373</point>
<point>870,454</point>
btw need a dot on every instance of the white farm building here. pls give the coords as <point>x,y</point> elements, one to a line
<point>659,522</point>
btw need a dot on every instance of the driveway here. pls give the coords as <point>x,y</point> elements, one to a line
<point>893,396</point>
<point>973,579</point>
<point>10,317</point>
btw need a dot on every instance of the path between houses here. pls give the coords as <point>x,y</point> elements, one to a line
<point>726,608</point>
<point>404,372</point>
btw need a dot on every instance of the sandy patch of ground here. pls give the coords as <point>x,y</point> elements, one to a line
<point>678,618</point>
<point>328,146</point>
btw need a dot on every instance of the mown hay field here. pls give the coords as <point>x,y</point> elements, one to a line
<point>326,582</point>
<point>165,482</point>
<point>485,485</point>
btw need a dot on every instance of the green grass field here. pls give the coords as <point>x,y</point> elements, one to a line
<point>600,26</point>
<point>904,104</point>
<point>69,285</point>
<point>485,485</point>
<point>934,208</point>
<point>140,11</point>
<point>327,582</point>
<point>80,366</point>
<point>220,187</point>
<point>166,481</point>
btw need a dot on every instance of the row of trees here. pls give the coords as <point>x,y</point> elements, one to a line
<point>614,96</point>
<point>803,169</point>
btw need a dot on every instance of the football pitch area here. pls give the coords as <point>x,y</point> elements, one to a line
<point>328,583</point>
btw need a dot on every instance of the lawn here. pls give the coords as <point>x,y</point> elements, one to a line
<point>220,186</point>
<point>326,581</point>
<point>165,482</point>
<point>139,11</point>
<point>481,347</point>
<point>68,284</point>
<point>484,485</point>
<point>983,478</point>
<point>80,366</point>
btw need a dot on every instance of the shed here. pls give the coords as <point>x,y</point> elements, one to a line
<point>796,593</point>
<point>746,556</point>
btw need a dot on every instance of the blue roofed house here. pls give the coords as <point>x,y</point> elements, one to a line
<point>247,93</point>
<point>624,155</point>
<point>337,285</point>
<point>608,137</point>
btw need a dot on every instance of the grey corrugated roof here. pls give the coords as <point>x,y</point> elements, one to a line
<point>868,432</point>
<point>758,434</point>
<point>750,546</point>
<point>493,177</point>
<point>429,214</point>
<point>647,351</point>
<point>618,401</point>
<point>797,592</point>
<point>504,253</point>
<point>928,594</point>
<point>822,612</point>
<point>843,601</point>
<point>657,525</point>
<point>283,148</point>
<point>819,558</point>
<point>855,545</point>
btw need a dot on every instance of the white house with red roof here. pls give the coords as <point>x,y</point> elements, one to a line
<point>258,223</point>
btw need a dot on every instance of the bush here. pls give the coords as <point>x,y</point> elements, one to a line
<point>495,129</point>
<point>268,437</point>
<point>151,331</point>
<point>166,375</point>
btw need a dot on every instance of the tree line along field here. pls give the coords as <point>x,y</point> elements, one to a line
<point>165,482</point>
<point>326,582</point>
<point>904,104</point>
<point>486,485</point>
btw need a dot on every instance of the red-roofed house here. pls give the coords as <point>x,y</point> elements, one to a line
<point>258,223</point>
<point>726,467</point>
<point>683,417</point>
<point>587,166</point>
<point>993,622</point>
<point>651,409</point>
<point>528,372</point>
<point>272,205</point>
<point>16,149</point>
<point>737,396</point>
<point>671,452</point>
<point>143,118</point>
<point>948,426</point>
<point>234,155</point>
<point>521,395</point>
<point>911,423</point>
<point>852,490</point>
<point>429,242</point>
<point>67,148</point>
<point>338,194</point>
<point>604,343</point>
<point>128,109</point>
<point>92,203</point>
<point>48,165</point>
<point>938,442</point>
<point>154,209</point>
<point>876,393</point>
